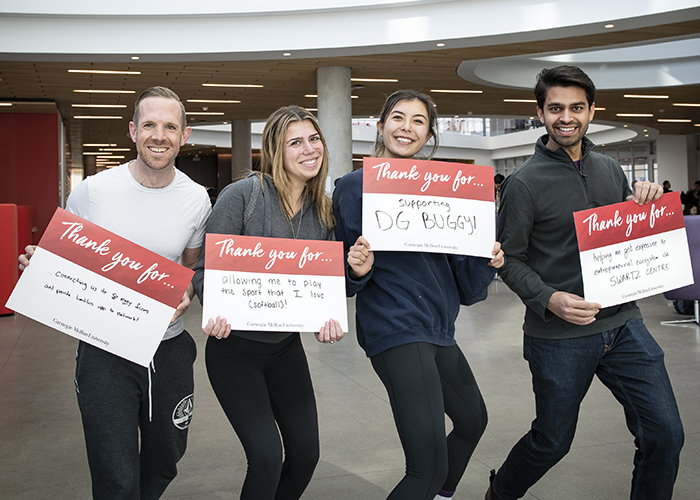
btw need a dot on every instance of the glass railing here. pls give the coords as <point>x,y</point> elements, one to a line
<point>485,127</point>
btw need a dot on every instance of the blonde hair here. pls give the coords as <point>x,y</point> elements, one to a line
<point>272,163</point>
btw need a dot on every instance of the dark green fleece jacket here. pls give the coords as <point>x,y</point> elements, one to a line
<point>537,233</point>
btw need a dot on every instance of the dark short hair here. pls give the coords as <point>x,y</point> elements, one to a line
<point>390,104</point>
<point>563,76</point>
<point>158,92</point>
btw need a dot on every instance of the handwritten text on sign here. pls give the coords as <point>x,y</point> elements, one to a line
<point>100,288</point>
<point>630,251</point>
<point>274,284</point>
<point>428,206</point>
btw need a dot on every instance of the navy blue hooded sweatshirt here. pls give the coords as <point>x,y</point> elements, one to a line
<point>407,296</point>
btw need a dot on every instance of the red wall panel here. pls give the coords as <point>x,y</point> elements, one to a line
<point>8,253</point>
<point>29,163</point>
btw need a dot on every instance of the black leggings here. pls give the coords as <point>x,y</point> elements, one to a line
<point>425,381</point>
<point>262,387</point>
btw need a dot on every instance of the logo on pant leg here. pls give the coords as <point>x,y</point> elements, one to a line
<point>182,414</point>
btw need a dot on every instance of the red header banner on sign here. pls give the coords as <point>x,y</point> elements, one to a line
<point>427,178</point>
<point>255,254</point>
<point>118,259</point>
<point>612,224</point>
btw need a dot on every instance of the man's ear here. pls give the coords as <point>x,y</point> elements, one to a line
<point>185,135</point>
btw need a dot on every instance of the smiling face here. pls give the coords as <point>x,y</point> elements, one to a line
<point>303,152</point>
<point>159,133</point>
<point>566,115</point>
<point>406,129</point>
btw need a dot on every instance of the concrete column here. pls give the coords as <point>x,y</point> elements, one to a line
<point>223,174</point>
<point>335,116</point>
<point>241,152</point>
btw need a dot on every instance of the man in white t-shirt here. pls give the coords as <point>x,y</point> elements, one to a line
<point>150,202</point>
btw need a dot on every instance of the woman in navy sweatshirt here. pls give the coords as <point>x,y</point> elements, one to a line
<point>406,307</point>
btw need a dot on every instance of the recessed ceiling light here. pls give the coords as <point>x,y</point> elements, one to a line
<point>384,80</point>
<point>645,130</point>
<point>443,91</point>
<point>600,109</point>
<point>645,96</point>
<point>697,125</point>
<point>90,117</point>
<point>519,100</point>
<point>205,113</point>
<point>225,123</point>
<point>635,115</point>
<point>357,159</point>
<point>115,149</point>
<point>456,116</point>
<point>673,120</point>
<point>95,145</point>
<point>646,135</point>
<point>625,126</point>
<point>5,104</point>
<point>91,91</point>
<point>237,85</point>
<point>286,54</point>
<point>135,58</point>
<point>111,157</point>
<point>687,104</point>
<point>311,95</point>
<point>440,44</point>
<point>311,109</point>
<point>98,105</point>
<point>214,101</point>
<point>608,26</point>
<point>104,72</point>
<point>91,153</point>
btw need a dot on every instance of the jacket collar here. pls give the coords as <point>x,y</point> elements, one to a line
<point>559,154</point>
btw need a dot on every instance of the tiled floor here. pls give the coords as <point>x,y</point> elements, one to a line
<point>43,454</point>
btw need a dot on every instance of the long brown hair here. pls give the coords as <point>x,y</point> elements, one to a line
<point>272,163</point>
<point>379,148</point>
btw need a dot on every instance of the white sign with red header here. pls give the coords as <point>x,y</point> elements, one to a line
<point>100,288</point>
<point>428,206</point>
<point>629,251</point>
<point>274,284</point>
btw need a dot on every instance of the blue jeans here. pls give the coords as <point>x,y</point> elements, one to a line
<point>629,362</point>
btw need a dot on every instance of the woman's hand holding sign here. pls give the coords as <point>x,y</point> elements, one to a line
<point>360,258</point>
<point>330,332</point>
<point>219,328</point>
